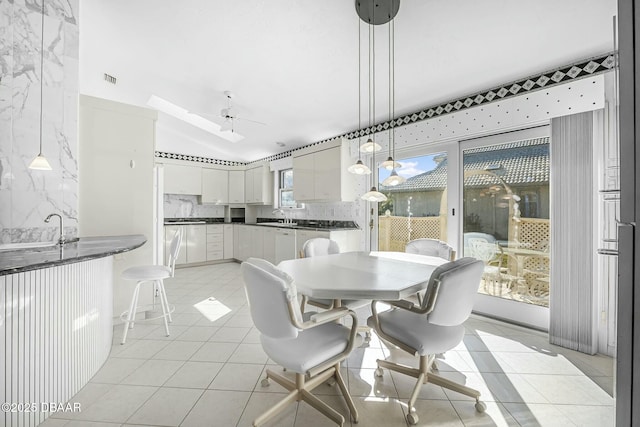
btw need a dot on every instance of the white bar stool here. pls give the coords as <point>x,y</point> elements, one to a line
<point>155,274</point>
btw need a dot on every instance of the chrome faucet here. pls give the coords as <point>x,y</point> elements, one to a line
<point>61,240</point>
<point>287,220</point>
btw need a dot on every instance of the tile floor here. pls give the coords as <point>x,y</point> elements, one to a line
<point>207,373</point>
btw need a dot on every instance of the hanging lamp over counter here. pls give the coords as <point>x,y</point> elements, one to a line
<point>359,168</point>
<point>40,162</point>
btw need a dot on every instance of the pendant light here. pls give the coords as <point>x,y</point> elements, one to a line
<point>372,195</point>
<point>359,168</point>
<point>393,179</point>
<point>40,162</point>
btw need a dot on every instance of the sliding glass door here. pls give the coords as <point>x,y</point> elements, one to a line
<point>505,224</point>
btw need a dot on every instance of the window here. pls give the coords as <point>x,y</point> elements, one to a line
<point>286,188</point>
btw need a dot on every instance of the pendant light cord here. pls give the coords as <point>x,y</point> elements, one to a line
<point>41,72</point>
<point>359,88</point>
<point>390,90</point>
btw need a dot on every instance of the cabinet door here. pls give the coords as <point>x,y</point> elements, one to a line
<point>227,252</point>
<point>215,242</point>
<point>257,184</point>
<point>215,186</point>
<point>327,174</point>
<point>169,232</point>
<point>249,195</point>
<point>269,245</point>
<point>256,244</point>
<point>285,245</point>
<point>303,172</point>
<point>196,243</point>
<point>236,187</point>
<point>180,179</point>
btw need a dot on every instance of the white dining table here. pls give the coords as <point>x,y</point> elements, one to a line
<point>362,275</point>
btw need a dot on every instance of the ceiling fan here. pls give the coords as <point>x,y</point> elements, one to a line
<point>229,115</point>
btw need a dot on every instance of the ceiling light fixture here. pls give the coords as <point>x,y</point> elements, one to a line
<point>359,168</point>
<point>393,179</point>
<point>372,195</point>
<point>40,162</point>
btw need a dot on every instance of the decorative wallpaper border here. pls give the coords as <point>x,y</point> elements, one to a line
<point>165,155</point>
<point>585,68</point>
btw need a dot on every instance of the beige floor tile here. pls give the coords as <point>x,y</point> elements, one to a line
<point>240,321</point>
<point>568,389</point>
<point>178,350</point>
<point>260,403</point>
<point>239,377</point>
<point>197,333</point>
<point>535,414</point>
<point>230,334</point>
<point>215,407</point>
<point>116,369</point>
<point>436,413</point>
<point>153,372</point>
<point>404,385</point>
<point>168,406</point>
<point>589,416</point>
<point>249,353</point>
<point>529,363</point>
<point>363,382</point>
<point>495,415</point>
<point>214,352</point>
<point>118,404</point>
<point>375,411</point>
<point>142,349</point>
<point>194,375</point>
<point>160,334</point>
<point>54,422</point>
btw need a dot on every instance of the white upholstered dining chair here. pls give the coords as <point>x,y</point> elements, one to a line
<point>431,247</point>
<point>312,348</point>
<point>155,274</point>
<point>432,328</point>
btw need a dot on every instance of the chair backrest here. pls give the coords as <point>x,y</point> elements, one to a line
<point>482,249</point>
<point>431,247</point>
<point>320,246</point>
<point>174,250</point>
<point>269,291</point>
<point>459,282</point>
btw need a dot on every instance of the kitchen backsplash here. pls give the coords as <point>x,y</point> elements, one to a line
<point>187,206</point>
<point>337,211</point>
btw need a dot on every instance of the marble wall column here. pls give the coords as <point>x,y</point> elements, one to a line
<point>28,196</point>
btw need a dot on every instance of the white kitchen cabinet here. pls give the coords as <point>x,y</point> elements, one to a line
<point>182,179</point>
<point>250,242</point>
<point>227,251</point>
<point>269,245</point>
<point>169,232</point>
<point>215,242</point>
<point>347,240</point>
<point>196,243</point>
<point>258,185</point>
<point>236,186</point>
<point>320,173</point>
<point>285,244</point>
<point>215,186</point>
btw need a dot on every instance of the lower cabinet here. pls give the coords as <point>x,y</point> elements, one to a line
<point>200,242</point>
<point>215,242</point>
<point>196,236</point>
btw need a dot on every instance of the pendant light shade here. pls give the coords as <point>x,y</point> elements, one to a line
<point>40,162</point>
<point>393,179</point>
<point>359,168</point>
<point>374,195</point>
<point>390,164</point>
<point>370,147</point>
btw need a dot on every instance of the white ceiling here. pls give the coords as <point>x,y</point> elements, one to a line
<point>293,64</point>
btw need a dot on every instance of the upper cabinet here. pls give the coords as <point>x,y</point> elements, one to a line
<point>215,186</point>
<point>236,186</point>
<point>320,173</point>
<point>181,179</point>
<point>258,185</point>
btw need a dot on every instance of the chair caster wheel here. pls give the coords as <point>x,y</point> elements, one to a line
<point>378,372</point>
<point>367,336</point>
<point>434,366</point>
<point>331,382</point>
<point>412,418</point>
<point>481,406</point>
<point>265,382</point>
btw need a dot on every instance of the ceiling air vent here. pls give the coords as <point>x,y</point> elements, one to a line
<point>110,79</point>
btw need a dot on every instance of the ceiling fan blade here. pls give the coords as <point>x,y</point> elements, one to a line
<point>249,120</point>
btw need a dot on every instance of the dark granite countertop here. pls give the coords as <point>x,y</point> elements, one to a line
<point>86,248</point>
<point>178,221</point>
<point>309,224</point>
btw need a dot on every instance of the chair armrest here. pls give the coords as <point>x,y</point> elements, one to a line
<point>331,315</point>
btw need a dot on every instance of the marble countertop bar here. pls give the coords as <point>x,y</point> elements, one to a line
<point>86,248</point>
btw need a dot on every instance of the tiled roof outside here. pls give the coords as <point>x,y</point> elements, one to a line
<point>522,162</point>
